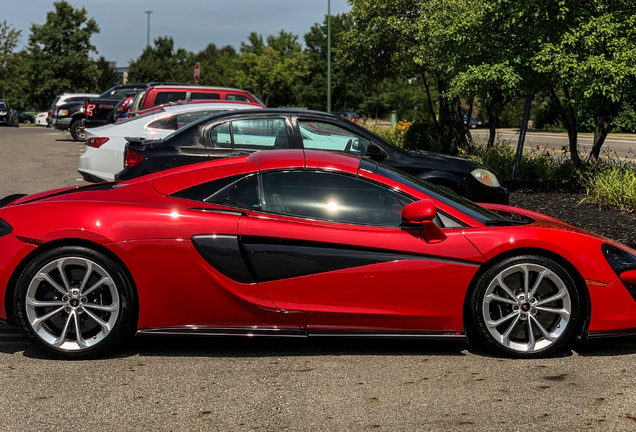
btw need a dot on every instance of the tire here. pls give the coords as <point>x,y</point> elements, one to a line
<point>77,130</point>
<point>525,306</point>
<point>75,303</point>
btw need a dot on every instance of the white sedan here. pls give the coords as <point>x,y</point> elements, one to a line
<point>104,154</point>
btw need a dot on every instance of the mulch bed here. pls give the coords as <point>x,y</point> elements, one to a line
<point>563,201</point>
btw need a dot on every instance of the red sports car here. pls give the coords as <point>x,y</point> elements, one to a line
<point>301,243</point>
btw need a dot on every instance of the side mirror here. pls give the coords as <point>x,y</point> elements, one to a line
<point>423,212</point>
<point>374,153</point>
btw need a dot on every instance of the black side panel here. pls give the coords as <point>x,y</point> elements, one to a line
<point>273,259</point>
<point>223,253</point>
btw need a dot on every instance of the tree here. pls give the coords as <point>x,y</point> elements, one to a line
<point>269,73</point>
<point>9,39</point>
<point>347,90</point>
<point>217,65</point>
<point>593,59</point>
<point>106,74</point>
<point>163,63</point>
<point>58,54</point>
<point>270,76</point>
<point>409,39</point>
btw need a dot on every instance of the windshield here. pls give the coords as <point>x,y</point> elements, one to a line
<point>3,105</point>
<point>466,206</point>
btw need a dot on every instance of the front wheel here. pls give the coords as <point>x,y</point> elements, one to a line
<point>77,130</point>
<point>74,303</point>
<point>526,306</point>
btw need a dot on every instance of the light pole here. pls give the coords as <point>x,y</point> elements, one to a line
<point>148,34</point>
<point>328,55</point>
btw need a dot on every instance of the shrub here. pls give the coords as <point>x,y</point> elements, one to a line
<point>611,183</point>
<point>536,163</point>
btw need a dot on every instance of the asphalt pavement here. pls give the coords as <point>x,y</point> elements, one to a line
<point>243,384</point>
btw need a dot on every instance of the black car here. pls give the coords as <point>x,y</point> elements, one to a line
<point>72,116</point>
<point>8,116</point>
<point>234,133</point>
<point>25,118</point>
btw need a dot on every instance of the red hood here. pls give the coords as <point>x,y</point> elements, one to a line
<point>541,220</point>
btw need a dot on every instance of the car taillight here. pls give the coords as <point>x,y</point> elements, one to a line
<point>96,142</point>
<point>132,158</point>
<point>89,109</point>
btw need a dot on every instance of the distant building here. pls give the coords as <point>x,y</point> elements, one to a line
<point>122,73</point>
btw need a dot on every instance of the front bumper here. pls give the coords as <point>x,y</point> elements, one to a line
<point>62,123</point>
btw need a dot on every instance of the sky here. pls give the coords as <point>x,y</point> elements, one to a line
<point>192,24</point>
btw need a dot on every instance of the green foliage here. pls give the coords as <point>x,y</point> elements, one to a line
<point>536,163</point>
<point>421,135</point>
<point>58,55</point>
<point>163,63</point>
<point>106,74</point>
<point>268,73</point>
<point>613,184</point>
<point>10,64</point>
<point>392,135</point>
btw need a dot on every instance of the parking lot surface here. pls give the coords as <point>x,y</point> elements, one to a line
<point>240,384</point>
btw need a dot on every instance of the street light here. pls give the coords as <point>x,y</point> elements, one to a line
<point>148,35</point>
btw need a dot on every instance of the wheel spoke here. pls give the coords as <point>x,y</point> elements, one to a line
<point>496,298</point>
<point>45,277</point>
<point>564,313</point>
<point>540,278</point>
<point>98,320</point>
<point>506,335</point>
<point>102,281</point>
<point>62,338</point>
<point>78,333</point>
<point>102,308</point>
<point>502,284</point>
<point>36,323</point>
<point>497,323</point>
<point>87,275</point>
<point>531,339</point>
<point>60,268</point>
<point>558,296</point>
<point>51,303</point>
<point>546,334</point>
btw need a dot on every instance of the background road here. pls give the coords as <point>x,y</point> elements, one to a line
<point>238,384</point>
<point>621,146</point>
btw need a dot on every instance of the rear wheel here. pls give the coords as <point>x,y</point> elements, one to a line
<point>77,130</point>
<point>74,303</point>
<point>525,306</point>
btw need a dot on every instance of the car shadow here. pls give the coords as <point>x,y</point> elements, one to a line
<point>241,347</point>
<point>211,346</point>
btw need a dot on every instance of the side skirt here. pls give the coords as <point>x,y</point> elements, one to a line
<point>251,332</point>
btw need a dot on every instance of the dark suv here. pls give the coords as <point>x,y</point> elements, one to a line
<point>8,116</point>
<point>234,133</point>
<point>71,116</point>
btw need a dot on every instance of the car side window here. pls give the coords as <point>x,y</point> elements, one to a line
<point>235,191</point>
<point>166,123</point>
<point>331,196</point>
<point>237,97</point>
<point>256,134</point>
<point>328,136</point>
<point>165,97</point>
<point>203,95</point>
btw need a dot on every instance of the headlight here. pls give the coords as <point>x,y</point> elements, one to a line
<point>62,113</point>
<point>3,113</point>
<point>618,259</point>
<point>486,177</point>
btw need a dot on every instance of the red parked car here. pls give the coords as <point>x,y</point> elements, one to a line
<point>301,243</point>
